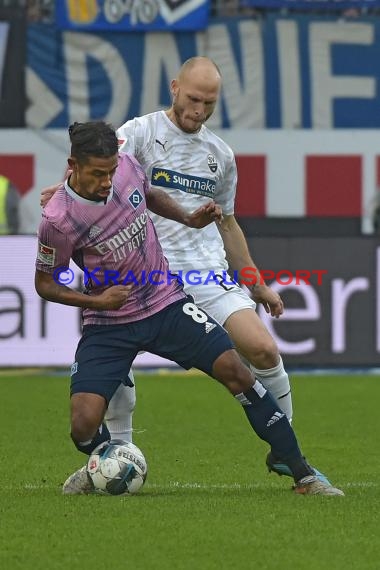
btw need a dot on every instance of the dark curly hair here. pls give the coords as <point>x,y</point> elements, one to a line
<point>94,138</point>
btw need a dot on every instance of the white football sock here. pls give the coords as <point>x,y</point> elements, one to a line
<point>276,381</point>
<point>119,414</point>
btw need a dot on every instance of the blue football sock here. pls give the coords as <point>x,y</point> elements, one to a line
<point>272,425</point>
<point>87,447</point>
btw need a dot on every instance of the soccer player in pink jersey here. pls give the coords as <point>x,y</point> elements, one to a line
<point>183,157</point>
<point>99,219</point>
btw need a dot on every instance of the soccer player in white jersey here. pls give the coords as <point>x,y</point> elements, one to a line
<point>181,156</point>
<point>186,159</point>
<point>99,218</point>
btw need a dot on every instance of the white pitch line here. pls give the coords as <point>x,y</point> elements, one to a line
<point>178,484</point>
<point>205,486</point>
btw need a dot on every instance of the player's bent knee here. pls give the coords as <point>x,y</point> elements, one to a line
<point>87,412</point>
<point>82,428</point>
<point>230,371</point>
<point>265,355</point>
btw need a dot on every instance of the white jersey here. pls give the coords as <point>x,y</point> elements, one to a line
<point>193,169</point>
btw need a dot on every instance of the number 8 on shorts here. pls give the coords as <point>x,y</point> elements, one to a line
<point>194,312</point>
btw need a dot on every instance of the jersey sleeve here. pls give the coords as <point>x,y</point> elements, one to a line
<point>134,138</point>
<point>54,248</point>
<point>128,159</point>
<point>126,135</point>
<point>226,190</point>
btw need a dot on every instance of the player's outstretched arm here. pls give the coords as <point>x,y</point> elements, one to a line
<point>163,205</point>
<point>204,215</point>
<point>238,257</point>
<point>47,193</point>
<point>111,299</point>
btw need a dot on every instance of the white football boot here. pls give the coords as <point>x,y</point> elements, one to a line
<point>79,483</point>
<point>311,485</point>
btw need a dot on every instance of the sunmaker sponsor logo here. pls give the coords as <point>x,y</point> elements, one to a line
<point>184,182</point>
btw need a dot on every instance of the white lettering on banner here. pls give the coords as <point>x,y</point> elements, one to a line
<point>34,332</point>
<point>172,11</point>
<point>77,47</point>
<point>324,86</point>
<point>4,32</point>
<point>266,83</point>
<point>44,105</point>
<point>242,84</point>
<point>311,312</point>
<point>161,59</point>
<point>341,293</point>
<point>288,53</point>
<point>139,12</point>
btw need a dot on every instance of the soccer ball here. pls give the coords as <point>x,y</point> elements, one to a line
<point>117,467</point>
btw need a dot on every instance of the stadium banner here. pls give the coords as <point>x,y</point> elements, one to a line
<point>332,299</point>
<point>332,315</point>
<point>312,4</point>
<point>282,173</point>
<point>13,46</point>
<point>132,15</point>
<point>304,71</point>
<point>34,332</point>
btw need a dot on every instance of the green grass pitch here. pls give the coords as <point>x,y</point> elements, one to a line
<point>208,502</point>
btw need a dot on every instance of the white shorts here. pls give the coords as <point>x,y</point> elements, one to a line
<point>221,299</point>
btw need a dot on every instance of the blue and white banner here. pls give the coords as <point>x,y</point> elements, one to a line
<point>132,15</point>
<point>282,72</point>
<point>312,4</point>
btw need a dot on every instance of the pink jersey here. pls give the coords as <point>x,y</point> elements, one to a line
<point>113,243</point>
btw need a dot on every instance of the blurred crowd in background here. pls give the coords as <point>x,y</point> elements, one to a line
<point>37,10</point>
<point>43,10</point>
